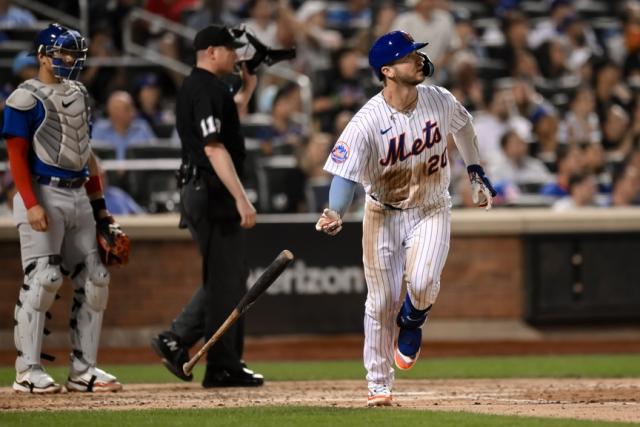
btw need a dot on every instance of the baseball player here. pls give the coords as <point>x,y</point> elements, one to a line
<point>59,201</point>
<point>396,147</point>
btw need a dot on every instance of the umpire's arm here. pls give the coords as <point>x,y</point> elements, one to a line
<point>226,171</point>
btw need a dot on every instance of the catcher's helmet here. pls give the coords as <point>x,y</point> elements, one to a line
<point>56,41</point>
<point>393,46</point>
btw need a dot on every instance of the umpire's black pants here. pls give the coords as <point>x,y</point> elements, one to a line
<point>222,246</point>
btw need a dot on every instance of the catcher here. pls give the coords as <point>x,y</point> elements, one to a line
<point>56,209</point>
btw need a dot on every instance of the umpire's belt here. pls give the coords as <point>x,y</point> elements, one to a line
<point>56,181</point>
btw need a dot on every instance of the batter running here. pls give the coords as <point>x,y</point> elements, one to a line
<point>396,147</point>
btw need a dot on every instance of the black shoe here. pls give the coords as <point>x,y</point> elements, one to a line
<point>167,345</point>
<point>225,378</point>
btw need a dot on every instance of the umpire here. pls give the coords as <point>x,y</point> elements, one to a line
<point>214,204</point>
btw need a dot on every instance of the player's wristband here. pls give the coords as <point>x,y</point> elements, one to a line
<point>98,205</point>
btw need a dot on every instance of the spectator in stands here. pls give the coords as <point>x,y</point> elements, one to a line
<point>261,22</point>
<point>626,188</point>
<point>552,59</point>
<point>610,89</point>
<point>314,156</point>
<point>501,114</point>
<point>426,21</point>
<point>594,159</point>
<point>172,10</point>
<point>582,193</point>
<point>515,28</point>
<point>24,67</point>
<point>102,80</point>
<point>517,167</point>
<point>122,128</point>
<point>284,135</point>
<point>7,191</point>
<point>466,86</point>
<point>581,124</point>
<point>341,88</point>
<point>350,17</point>
<point>14,17</point>
<point>314,40</point>
<point>212,12</point>
<point>311,160</point>
<point>548,28</point>
<point>386,13</point>
<point>618,131</point>
<point>569,162</point>
<point>151,104</point>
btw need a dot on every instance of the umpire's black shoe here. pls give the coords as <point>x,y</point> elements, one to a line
<point>167,345</point>
<point>225,378</point>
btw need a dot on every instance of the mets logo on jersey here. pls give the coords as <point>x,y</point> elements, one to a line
<point>340,152</point>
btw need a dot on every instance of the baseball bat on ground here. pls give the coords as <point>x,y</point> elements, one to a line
<point>265,280</point>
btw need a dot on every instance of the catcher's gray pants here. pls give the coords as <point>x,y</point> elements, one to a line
<point>71,234</point>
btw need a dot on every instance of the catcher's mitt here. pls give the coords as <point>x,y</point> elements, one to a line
<point>113,243</point>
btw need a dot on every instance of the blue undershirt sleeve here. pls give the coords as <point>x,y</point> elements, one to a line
<point>341,194</point>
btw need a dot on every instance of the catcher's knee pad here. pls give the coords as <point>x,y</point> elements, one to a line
<point>96,287</point>
<point>42,280</point>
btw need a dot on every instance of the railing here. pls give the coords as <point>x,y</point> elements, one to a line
<point>80,23</point>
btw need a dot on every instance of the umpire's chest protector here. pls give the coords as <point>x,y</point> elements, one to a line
<point>62,139</point>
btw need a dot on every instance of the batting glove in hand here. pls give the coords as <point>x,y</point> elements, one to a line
<point>329,222</point>
<point>482,192</point>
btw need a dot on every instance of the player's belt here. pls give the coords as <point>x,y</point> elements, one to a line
<point>386,205</point>
<point>56,181</point>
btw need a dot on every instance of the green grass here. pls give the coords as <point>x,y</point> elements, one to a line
<point>278,417</point>
<point>591,366</point>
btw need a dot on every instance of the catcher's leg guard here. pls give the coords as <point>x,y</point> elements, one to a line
<point>42,280</point>
<point>91,292</point>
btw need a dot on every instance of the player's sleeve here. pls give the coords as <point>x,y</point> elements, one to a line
<point>16,123</point>
<point>208,115</point>
<point>458,115</point>
<point>350,154</point>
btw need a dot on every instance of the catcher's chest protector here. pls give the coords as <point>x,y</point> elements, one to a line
<point>62,139</point>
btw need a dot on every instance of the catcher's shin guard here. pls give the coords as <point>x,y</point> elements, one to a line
<point>42,280</point>
<point>91,292</point>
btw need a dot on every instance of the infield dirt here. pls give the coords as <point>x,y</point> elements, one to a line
<point>595,399</point>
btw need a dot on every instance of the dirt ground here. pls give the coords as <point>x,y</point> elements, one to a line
<point>594,399</point>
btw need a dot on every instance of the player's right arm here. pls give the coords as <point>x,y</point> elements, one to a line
<point>340,197</point>
<point>16,130</point>
<point>346,163</point>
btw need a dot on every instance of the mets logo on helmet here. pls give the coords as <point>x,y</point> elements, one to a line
<point>340,152</point>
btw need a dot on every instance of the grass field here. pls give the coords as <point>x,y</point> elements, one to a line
<point>592,366</point>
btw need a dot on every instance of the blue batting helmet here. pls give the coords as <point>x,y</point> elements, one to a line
<point>391,47</point>
<point>56,40</point>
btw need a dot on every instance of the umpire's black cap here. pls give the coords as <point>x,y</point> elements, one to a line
<point>215,35</point>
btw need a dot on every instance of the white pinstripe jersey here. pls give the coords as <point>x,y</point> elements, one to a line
<point>400,159</point>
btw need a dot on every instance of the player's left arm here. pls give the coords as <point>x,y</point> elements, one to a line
<point>482,192</point>
<point>113,243</point>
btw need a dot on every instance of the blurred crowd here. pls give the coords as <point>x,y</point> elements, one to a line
<point>553,85</point>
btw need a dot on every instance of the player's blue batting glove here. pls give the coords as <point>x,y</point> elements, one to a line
<point>482,192</point>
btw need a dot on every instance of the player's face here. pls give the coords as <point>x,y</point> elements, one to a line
<point>408,69</point>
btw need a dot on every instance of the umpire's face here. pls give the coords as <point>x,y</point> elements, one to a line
<point>224,58</point>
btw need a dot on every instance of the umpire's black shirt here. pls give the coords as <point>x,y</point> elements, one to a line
<point>206,113</point>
